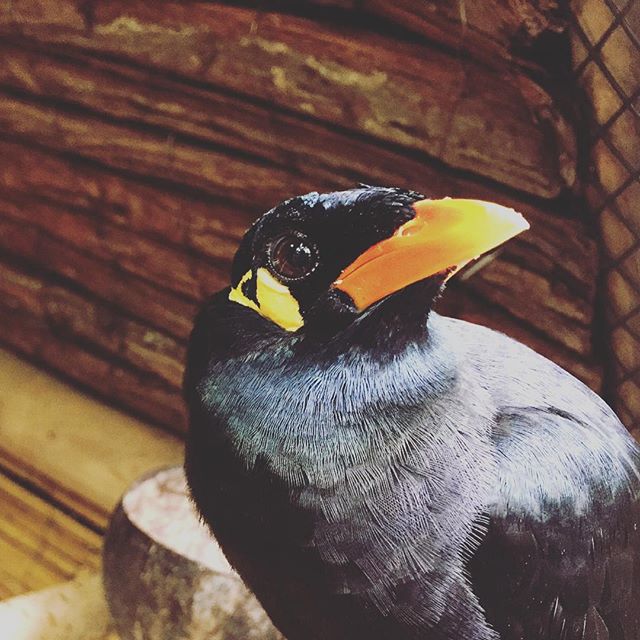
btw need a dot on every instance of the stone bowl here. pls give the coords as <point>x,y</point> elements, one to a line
<point>165,576</point>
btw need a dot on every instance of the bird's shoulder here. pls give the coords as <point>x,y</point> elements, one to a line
<point>560,557</point>
<point>552,436</point>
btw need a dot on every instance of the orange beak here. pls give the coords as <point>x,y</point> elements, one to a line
<point>445,234</point>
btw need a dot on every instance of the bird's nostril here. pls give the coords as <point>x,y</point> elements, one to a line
<point>410,228</point>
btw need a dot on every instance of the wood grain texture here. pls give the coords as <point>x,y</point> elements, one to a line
<point>39,544</point>
<point>494,30</point>
<point>151,153</point>
<point>482,122</point>
<point>315,155</point>
<point>75,450</point>
<point>93,344</point>
<point>558,251</point>
<point>91,321</point>
<point>144,138</point>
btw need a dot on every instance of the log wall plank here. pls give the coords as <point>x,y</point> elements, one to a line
<point>482,122</point>
<point>205,225</point>
<point>151,153</point>
<point>91,321</point>
<point>135,389</point>
<point>322,157</point>
<point>495,31</point>
<point>165,266</point>
<point>160,308</point>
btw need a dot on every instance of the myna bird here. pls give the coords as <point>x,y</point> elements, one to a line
<point>376,471</point>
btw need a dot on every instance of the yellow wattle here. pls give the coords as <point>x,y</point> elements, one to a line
<point>276,303</point>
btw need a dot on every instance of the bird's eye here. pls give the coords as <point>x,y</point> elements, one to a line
<point>292,256</point>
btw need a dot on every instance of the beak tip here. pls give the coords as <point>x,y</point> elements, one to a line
<point>512,219</point>
<point>524,223</point>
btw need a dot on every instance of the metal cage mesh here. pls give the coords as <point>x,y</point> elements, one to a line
<point>605,38</point>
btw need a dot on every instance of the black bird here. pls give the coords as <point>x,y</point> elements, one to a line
<point>376,471</point>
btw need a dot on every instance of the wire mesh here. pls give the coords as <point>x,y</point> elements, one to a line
<point>606,48</point>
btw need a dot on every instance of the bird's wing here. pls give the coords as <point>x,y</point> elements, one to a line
<point>561,557</point>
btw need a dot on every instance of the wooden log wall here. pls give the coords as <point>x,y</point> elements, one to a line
<point>138,140</point>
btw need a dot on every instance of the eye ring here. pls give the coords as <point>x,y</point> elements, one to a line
<point>292,256</point>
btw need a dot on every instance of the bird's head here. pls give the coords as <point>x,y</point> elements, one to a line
<point>319,264</point>
<point>326,326</point>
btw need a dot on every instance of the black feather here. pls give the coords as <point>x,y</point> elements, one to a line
<point>405,476</point>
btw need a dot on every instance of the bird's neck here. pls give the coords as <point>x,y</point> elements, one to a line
<point>317,447</point>
<point>318,413</point>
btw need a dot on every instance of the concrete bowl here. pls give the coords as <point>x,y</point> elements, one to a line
<point>165,576</point>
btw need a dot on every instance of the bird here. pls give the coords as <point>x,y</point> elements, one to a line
<point>374,470</point>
